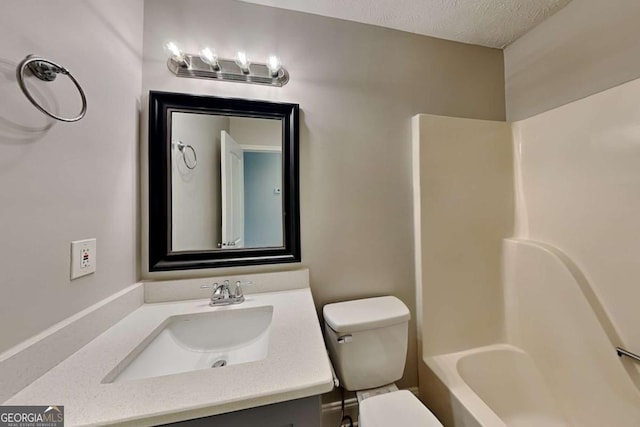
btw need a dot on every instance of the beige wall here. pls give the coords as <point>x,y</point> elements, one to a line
<point>358,87</point>
<point>463,204</point>
<point>67,181</point>
<point>587,47</point>
<point>253,131</point>
<point>578,190</point>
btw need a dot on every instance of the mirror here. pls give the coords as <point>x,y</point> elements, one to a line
<point>223,182</point>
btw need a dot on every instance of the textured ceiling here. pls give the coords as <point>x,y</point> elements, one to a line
<point>492,23</point>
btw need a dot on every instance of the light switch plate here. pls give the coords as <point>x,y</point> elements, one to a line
<point>83,258</point>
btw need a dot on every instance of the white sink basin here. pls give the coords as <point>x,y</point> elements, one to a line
<point>199,341</point>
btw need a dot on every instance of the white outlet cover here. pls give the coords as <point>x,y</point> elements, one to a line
<point>83,258</point>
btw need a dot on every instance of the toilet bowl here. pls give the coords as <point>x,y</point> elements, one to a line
<point>367,343</point>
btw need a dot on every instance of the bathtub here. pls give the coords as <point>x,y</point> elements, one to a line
<point>560,367</point>
<point>495,386</point>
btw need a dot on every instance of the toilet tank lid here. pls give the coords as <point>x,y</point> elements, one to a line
<point>363,314</point>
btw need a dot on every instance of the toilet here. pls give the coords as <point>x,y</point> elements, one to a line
<point>367,343</point>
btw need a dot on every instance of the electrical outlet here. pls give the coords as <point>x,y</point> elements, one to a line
<point>83,258</point>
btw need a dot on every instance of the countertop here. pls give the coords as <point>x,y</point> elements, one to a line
<point>296,366</point>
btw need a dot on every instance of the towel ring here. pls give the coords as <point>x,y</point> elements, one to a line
<point>47,71</point>
<point>182,146</point>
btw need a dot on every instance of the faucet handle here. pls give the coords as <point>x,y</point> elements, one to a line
<point>237,292</point>
<point>222,290</point>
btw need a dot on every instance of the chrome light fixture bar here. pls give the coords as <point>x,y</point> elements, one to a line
<point>239,70</point>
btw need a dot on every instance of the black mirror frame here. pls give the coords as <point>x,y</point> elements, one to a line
<point>161,257</point>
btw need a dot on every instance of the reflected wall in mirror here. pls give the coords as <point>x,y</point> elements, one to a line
<point>223,182</point>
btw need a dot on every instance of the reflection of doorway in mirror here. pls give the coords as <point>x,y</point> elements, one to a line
<point>263,198</point>
<point>261,140</point>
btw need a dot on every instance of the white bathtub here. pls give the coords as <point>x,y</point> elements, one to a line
<point>496,386</point>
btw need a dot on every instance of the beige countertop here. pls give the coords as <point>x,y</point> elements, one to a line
<point>296,366</point>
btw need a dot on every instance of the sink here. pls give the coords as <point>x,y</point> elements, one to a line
<point>188,342</point>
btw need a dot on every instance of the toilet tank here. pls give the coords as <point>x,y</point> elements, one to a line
<point>367,340</point>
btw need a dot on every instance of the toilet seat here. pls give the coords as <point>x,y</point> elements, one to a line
<point>398,408</point>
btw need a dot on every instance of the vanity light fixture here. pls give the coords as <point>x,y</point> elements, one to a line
<point>207,65</point>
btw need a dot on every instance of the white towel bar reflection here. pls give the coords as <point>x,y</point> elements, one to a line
<point>622,352</point>
<point>182,147</point>
<point>47,71</point>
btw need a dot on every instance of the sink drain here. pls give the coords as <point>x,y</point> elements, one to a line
<point>219,363</point>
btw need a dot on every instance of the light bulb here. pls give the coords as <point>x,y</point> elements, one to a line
<point>243,62</point>
<point>174,52</point>
<point>274,64</point>
<point>209,57</point>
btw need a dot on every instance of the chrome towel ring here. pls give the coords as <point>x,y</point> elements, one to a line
<point>47,71</point>
<point>182,147</point>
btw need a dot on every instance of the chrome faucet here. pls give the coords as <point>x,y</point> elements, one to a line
<point>224,294</point>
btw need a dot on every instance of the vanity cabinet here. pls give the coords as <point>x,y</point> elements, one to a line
<point>304,412</point>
